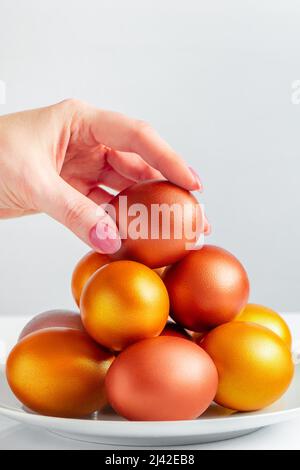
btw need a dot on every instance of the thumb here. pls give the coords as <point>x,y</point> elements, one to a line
<point>81,215</point>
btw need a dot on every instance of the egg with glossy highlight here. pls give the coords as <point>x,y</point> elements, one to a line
<point>267,317</point>
<point>122,303</point>
<point>255,366</point>
<point>52,319</point>
<point>206,288</point>
<point>158,222</point>
<point>59,372</point>
<point>84,269</point>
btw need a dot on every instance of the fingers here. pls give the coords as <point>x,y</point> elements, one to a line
<point>122,133</point>
<point>100,196</point>
<point>114,180</point>
<point>81,215</point>
<point>131,165</point>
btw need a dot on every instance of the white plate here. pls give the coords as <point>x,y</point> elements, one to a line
<point>216,424</point>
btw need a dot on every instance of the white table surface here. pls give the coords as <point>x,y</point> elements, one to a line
<point>16,436</point>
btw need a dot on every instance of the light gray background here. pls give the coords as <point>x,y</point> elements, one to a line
<point>214,77</point>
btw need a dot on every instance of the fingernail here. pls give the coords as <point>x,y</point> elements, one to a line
<point>105,238</point>
<point>197,179</point>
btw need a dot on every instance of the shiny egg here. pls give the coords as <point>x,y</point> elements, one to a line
<point>255,366</point>
<point>206,288</point>
<point>267,317</point>
<point>164,239</point>
<point>162,379</point>
<point>59,372</point>
<point>84,269</point>
<point>53,318</point>
<point>122,303</point>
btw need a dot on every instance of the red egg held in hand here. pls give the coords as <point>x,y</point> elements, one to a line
<point>53,318</point>
<point>162,379</point>
<point>152,233</point>
<point>207,288</point>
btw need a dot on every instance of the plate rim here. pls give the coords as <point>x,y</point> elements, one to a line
<point>126,428</point>
<point>249,420</point>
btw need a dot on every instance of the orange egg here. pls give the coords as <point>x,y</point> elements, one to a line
<point>59,372</point>
<point>267,317</point>
<point>207,288</point>
<point>172,329</point>
<point>84,270</point>
<point>124,302</point>
<point>161,246</point>
<point>162,379</point>
<point>255,366</point>
<point>53,318</point>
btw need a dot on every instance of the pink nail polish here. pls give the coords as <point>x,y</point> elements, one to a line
<point>105,238</point>
<point>197,179</point>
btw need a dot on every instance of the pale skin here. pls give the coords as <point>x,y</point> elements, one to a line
<point>56,159</point>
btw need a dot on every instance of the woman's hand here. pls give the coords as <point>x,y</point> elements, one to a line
<point>54,160</point>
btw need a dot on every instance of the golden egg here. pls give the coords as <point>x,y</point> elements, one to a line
<point>59,372</point>
<point>84,269</point>
<point>124,302</point>
<point>267,317</point>
<point>255,366</point>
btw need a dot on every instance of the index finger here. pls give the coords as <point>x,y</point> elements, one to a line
<point>122,133</point>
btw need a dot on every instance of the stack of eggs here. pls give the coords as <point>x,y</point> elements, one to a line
<point>154,343</point>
